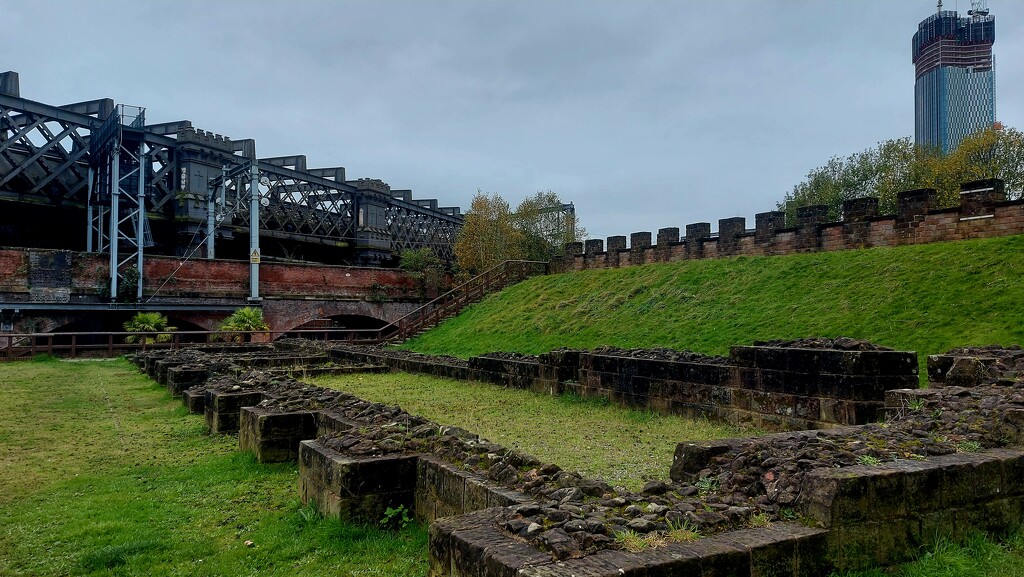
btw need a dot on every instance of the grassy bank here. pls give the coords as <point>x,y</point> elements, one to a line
<point>102,473</point>
<point>927,298</point>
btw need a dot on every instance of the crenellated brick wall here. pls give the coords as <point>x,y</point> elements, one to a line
<point>983,212</point>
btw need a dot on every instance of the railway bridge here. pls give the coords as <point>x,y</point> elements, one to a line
<point>96,177</point>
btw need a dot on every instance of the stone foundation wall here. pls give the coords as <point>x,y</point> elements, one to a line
<point>900,486</point>
<point>884,514</point>
<point>769,387</point>
<point>362,488</point>
<point>983,213</point>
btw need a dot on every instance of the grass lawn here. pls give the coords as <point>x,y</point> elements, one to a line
<point>624,447</point>
<point>102,473</point>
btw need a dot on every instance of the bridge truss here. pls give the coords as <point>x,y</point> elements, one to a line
<point>96,176</point>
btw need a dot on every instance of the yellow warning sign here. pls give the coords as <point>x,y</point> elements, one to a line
<point>254,258</point>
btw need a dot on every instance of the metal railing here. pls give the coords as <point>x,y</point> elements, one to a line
<point>474,290</point>
<point>24,346</point>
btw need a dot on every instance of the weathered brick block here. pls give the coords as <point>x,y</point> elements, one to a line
<point>357,489</point>
<point>274,437</point>
<point>183,377</point>
<point>194,401</point>
<point>223,410</point>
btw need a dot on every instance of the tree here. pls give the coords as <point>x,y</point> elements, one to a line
<point>425,266</point>
<point>992,153</point>
<point>882,172</point>
<point>489,235</point>
<point>894,166</point>
<point>547,225</point>
<point>153,323</point>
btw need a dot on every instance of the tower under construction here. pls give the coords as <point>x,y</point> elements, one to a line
<point>955,88</point>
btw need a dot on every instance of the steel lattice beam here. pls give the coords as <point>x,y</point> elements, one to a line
<point>47,154</point>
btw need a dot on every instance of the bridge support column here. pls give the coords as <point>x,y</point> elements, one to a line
<point>254,231</point>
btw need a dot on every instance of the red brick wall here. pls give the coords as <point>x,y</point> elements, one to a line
<point>220,278</point>
<point>13,271</point>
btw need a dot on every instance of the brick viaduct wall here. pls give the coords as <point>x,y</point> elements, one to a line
<point>983,213</point>
<point>55,276</point>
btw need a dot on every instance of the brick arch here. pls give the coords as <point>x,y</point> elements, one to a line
<point>47,323</point>
<point>284,315</point>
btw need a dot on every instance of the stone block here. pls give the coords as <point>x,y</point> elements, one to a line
<point>980,197</point>
<point>223,410</point>
<point>359,489</point>
<point>773,550</point>
<point>667,236</point>
<point>329,423</point>
<point>809,216</point>
<point>616,243</point>
<point>968,478</point>
<point>594,246</point>
<point>691,457</point>
<point>194,401</point>
<point>274,437</point>
<point>913,205</point>
<point>766,223</point>
<point>860,209</point>
<point>639,240</point>
<point>835,498</point>
<point>729,231</point>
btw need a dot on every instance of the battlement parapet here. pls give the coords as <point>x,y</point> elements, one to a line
<point>983,212</point>
<point>202,137</point>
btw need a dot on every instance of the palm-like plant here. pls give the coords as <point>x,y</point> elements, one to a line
<point>153,323</point>
<point>246,319</point>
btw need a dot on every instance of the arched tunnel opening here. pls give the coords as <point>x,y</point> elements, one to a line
<point>318,328</point>
<point>113,321</point>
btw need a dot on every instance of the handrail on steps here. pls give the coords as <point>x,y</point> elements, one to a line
<point>403,326</point>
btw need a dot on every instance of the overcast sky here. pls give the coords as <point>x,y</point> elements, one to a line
<point>645,114</point>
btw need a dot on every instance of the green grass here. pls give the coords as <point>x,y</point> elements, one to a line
<point>976,556</point>
<point>624,447</point>
<point>927,298</point>
<point>102,473</point>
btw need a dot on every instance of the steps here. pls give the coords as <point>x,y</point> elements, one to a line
<point>452,302</point>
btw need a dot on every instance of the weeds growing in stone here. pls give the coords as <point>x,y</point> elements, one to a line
<point>968,447</point>
<point>706,486</point>
<point>631,541</point>
<point>869,460</point>
<point>682,532</point>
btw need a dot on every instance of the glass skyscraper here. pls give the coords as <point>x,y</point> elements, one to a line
<point>955,90</point>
